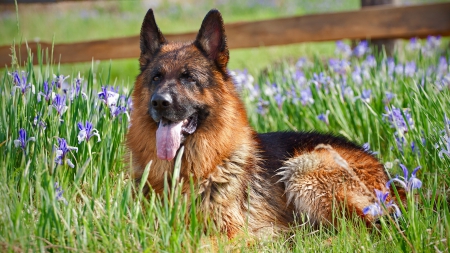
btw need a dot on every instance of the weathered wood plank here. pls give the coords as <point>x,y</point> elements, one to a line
<point>380,22</point>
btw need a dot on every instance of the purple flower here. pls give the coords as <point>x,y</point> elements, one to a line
<point>21,83</point>
<point>242,79</point>
<point>366,95</point>
<point>306,96</point>
<point>59,103</point>
<point>446,149</point>
<point>299,78</point>
<point>59,80</point>
<point>433,42</point>
<point>22,141</point>
<point>361,49</point>
<point>47,93</point>
<point>262,106</point>
<point>381,204</point>
<point>408,183</point>
<point>87,131</point>
<point>61,151</point>
<point>346,91</point>
<point>302,62</point>
<point>279,99</point>
<point>366,147</point>
<point>324,117</point>
<point>388,97</point>
<point>321,81</point>
<point>76,90</point>
<point>356,75</point>
<point>59,193</point>
<point>445,139</point>
<point>38,122</point>
<point>369,62</point>
<point>410,69</point>
<point>413,44</point>
<point>401,120</point>
<point>339,66</point>
<point>390,63</point>
<point>400,141</point>
<point>343,49</point>
<point>399,69</point>
<point>109,97</point>
<point>442,67</point>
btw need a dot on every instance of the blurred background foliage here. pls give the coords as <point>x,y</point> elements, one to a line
<point>90,20</point>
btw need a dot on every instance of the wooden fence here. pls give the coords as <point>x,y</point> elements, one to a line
<point>379,22</point>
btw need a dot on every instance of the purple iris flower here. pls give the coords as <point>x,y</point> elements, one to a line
<point>262,106</point>
<point>381,204</point>
<point>366,147</point>
<point>390,63</point>
<point>59,80</point>
<point>410,69</point>
<point>306,96</point>
<point>369,62</point>
<point>343,49</point>
<point>87,131</point>
<point>413,44</point>
<point>433,42</point>
<point>399,119</point>
<point>299,78</point>
<point>324,117</point>
<point>61,152</point>
<point>47,93</point>
<point>59,193</point>
<point>242,79</point>
<point>400,141</point>
<point>279,99</point>
<point>356,75</point>
<point>388,97</point>
<point>446,149</point>
<point>109,97</point>
<point>302,62</point>
<point>22,141</point>
<point>445,139</point>
<point>21,83</point>
<point>361,49</point>
<point>346,91</point>
<point>409,183</point>
<point>442,66</point>
<point>59,103</point>
<point>366,95</point>
<point>321,81</point>
<point>76,90</point>
<point>339,66</point>
<point>38,122</point>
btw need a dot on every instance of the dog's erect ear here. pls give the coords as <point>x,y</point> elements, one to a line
<point>211,38</point>
<point>151,36</point>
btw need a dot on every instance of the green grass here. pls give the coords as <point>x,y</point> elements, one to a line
<point>102,215</point>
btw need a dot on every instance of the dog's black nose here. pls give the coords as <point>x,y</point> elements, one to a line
<point>161,101</point>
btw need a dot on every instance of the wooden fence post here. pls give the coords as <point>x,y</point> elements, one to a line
<point>379,44</point>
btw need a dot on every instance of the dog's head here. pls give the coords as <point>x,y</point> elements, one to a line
<point>179,83</point>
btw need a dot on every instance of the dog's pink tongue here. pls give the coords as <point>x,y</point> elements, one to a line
<point>168,138</point>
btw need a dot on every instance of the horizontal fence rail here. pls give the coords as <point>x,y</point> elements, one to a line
<point>379,22</point>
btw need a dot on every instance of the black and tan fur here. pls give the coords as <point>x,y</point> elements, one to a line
<point>246,180</point>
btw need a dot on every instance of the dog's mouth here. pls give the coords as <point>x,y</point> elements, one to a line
<point>170,135</point>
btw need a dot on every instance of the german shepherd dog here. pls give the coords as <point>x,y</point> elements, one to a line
<point>258,183</point>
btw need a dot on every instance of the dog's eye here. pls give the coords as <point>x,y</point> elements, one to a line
<point>187,76</point>
<point>156,78</point>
